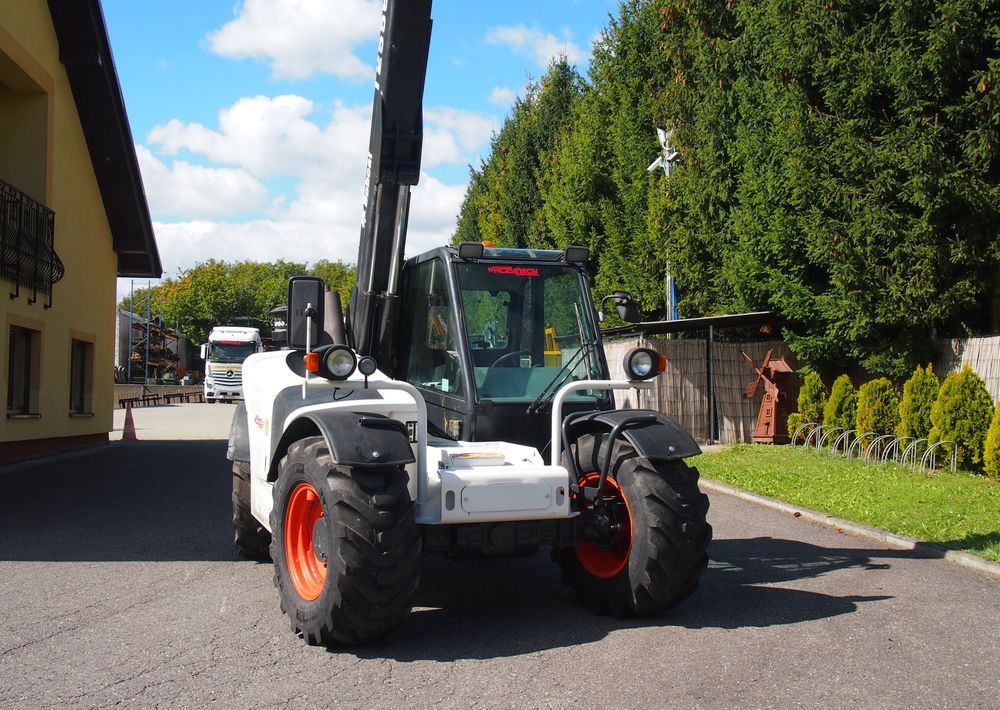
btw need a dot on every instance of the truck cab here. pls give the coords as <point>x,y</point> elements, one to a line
<point>224,353</point>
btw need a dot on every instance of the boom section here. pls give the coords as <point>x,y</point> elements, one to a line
<point>393,166</point>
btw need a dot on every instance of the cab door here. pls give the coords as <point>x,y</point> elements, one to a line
<point>429,355</point>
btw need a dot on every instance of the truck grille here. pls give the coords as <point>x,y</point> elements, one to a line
<point>224,377</point>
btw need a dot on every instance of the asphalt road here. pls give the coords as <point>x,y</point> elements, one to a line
<point>120,588</point>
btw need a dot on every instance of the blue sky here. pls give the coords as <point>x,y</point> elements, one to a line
<point>251,119</point>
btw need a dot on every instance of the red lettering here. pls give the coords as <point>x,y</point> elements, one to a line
<point>513,270</point>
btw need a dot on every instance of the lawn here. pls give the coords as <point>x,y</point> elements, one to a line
<point>959,511</point>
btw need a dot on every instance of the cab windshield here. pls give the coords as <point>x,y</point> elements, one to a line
<point>528,327</point>
<point>230,352</point>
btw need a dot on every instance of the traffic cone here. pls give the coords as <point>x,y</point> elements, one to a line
<point>128,432</point>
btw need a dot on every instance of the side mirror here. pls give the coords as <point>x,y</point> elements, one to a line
<point>628,310</point>
<point>204,351</point>
<point>305,301</point>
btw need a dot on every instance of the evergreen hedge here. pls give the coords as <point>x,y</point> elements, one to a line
<point>991,454</point>
<point>812,399</point>
<point>919,393</point>
<point>877,407</point>
<point>841,408</point>
<point>961,414</point>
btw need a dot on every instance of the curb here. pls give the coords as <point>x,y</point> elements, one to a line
<point>899,542</point>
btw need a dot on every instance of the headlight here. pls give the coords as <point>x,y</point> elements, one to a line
<point>338,362</point>
<point>643,363</point>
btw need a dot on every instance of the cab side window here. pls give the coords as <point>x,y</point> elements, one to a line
<point>430,358</point>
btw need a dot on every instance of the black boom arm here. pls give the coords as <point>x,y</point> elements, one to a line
<point>393,166</point>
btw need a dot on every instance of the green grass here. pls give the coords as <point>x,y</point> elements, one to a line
<point>959,511</point>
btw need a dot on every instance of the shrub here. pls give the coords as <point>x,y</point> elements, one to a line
<point>919,393</point>
<point>841,408</point>
<point>991,453</point>
<point>812,399</point>
<point>962,413</point>
<point>878,407</point>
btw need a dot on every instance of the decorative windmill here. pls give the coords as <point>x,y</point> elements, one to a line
<point>772,421</point>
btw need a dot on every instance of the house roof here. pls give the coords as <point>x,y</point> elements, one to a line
<point>85,51</point>
<point>660,327</point>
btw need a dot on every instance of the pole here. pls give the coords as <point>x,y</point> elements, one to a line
<point>145,370</point>
<point>709,385</point>
<point>131,307</point>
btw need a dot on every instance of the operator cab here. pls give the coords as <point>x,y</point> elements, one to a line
<point>490,338</point>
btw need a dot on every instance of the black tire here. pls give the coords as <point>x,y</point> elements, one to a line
<point>669,533</point>
<point>353,580</point>
<point>251,538</point>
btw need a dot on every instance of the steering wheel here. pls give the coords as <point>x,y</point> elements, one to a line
<point>506,356</point>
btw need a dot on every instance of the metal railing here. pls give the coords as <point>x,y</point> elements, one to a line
<point>27,244</point>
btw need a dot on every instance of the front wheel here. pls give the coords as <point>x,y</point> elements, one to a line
<point>655,551</point>
<point>345,546</point>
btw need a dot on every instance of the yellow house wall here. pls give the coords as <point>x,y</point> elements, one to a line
<point>83,303</point>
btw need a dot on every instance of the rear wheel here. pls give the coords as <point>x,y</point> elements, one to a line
<point>345,546</point>
<point>252,539</point>
<point>654,553</point>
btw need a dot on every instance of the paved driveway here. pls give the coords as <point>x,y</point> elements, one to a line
<point>120,589</point>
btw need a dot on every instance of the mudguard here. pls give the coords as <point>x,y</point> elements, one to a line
<point>239,435</point>
<point>356,439</point>
<point>661,439</point>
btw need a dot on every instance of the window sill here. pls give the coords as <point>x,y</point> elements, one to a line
<point>84,415</point>
<point>24,416</point>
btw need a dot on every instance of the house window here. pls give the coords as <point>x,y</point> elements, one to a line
<point>81,374</point>
<point>22,371</point>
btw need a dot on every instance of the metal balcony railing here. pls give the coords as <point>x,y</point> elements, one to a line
<point>27,253</point>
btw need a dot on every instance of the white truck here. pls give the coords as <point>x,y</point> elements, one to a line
<point>224,353</point>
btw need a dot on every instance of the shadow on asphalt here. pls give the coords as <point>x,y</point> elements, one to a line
<point>482,609</point>
<point>169,501</point>
<point>125,501</point>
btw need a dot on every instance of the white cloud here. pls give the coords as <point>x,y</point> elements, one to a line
<point>533,42</point>
<point>455,135</point>
<point>272,136</point>
<point>307,236</point>
<point>502,96</point>
<point>313,166</point>
<point>301,38</point>
<point>197,191</point>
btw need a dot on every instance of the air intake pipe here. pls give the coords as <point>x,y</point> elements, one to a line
<point>333,323</point>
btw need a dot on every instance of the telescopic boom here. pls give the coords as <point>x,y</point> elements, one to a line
<point>393,166</point>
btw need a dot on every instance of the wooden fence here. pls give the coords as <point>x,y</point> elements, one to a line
<point>682,392</point>
<point>982,355</point>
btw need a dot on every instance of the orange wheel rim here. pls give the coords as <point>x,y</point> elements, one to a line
<point>598,561</point>
<point>306,569</point>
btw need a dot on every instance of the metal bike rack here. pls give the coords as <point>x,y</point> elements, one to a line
<point>830,431</point>
<point>911,453</point>
<point>858,443</point>
<point>896,445</point>
<point>815,434</point>
<point>929,459</point>
<point>842,438</point>
<point>798,431</point>
<point>874,446</point>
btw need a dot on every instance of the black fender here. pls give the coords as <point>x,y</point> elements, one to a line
<point>239,435</point>
<point>654,435</point>
<point>355,439</point>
